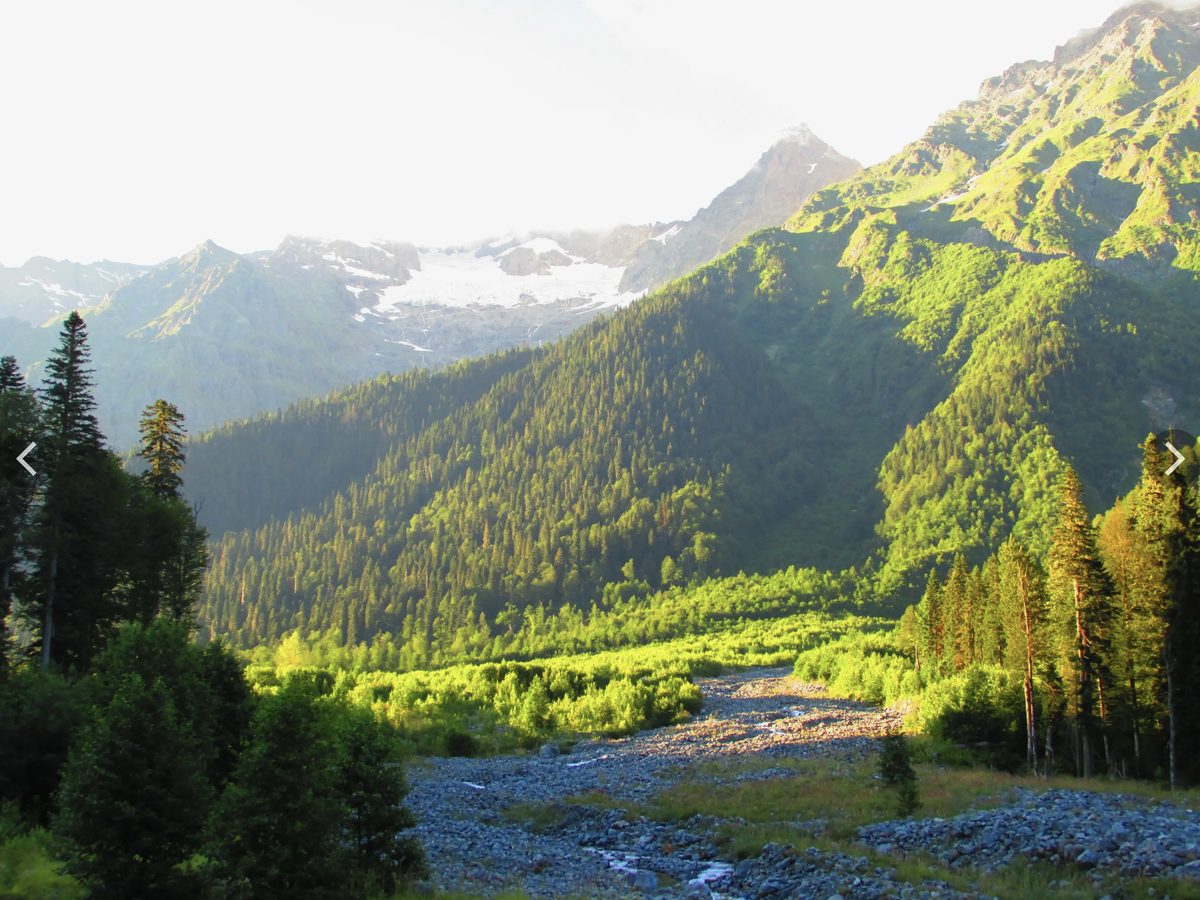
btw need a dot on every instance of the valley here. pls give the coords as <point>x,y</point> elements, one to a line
<point>841,542</point>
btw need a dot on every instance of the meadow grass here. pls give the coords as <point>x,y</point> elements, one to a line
<point>825,801</point>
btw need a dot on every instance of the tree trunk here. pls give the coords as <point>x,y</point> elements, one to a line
<point>1084,712</point>
<point>1047,762</point>
<point>1030,733</point>
<point>48,625</point>
<point>1171,715</point>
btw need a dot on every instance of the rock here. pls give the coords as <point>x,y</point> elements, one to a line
<point>548,751</point>
<point>744,868</point>
<point>1087,859</point>
<point>642,881</point>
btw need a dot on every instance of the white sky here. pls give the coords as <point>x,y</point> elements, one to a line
<point>134,131</point>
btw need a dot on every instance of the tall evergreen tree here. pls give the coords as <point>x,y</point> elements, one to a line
<point>163,438</point>
<point>1167,519</point>
<point>930,627</point>
<point>957,615</point>
<point>173,554</point>
<point>1081,594</point>
<point>77,550</point>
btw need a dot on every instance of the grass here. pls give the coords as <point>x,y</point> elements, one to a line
<point>823,802</point>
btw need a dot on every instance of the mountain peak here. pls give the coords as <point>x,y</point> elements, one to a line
<point>798,134</point>
<point>208,253</point>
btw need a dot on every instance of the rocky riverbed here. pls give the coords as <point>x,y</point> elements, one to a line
<point>603,851</point>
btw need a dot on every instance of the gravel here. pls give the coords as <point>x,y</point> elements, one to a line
<point>1106,833</point>
<point>589,851</point>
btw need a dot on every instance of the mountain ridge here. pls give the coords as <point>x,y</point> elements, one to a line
<point>228,335</point>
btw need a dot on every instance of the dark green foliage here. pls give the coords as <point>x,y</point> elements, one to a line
<point>313,807</point>
<point>133,798</point>
<point>205,684</point>
<point>276,832</point>
<point>895,762</point>
<point>86,546</point>
<point>908,798</point>
<point>39,715</point>
<point>460,743</point>
<point>373,785</point>
<point>20,425</point>
<point>895,768</point>
<point>985,720</point>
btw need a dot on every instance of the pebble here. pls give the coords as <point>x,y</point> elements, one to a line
<point>1089,830</point>
<point>607,852</point>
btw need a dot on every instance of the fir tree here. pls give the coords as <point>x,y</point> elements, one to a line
<point>929,627</point>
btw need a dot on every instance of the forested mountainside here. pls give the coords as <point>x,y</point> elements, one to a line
<point>230,335</point>
<point>884,385</point>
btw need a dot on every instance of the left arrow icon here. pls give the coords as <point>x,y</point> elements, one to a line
<point>21,459</point>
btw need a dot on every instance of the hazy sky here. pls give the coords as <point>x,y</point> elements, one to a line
<point>134,131</point>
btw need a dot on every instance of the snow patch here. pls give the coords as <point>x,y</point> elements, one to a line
<point>411,344</point>
<point>460,278</point>
<point>811,166</point>
<point>355,289</point>
<point>59,291</point>
<point>667,235</point>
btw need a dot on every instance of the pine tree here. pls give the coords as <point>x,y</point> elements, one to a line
<point>163,438</point>
<point>957,616</point>
<point>1081,595</point>
<point>172,555</point>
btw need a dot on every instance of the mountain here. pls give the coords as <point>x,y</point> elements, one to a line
<point>225,336</point>
<point>45,289</point>
<point>901,374</point>
<point>795,167</point>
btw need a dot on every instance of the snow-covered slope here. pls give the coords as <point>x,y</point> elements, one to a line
<point>537,271</point>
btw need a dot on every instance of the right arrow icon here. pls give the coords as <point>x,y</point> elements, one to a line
<point>1178,458</point>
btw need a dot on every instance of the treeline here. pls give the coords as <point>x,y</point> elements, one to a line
<point>1095,644</point>
<point>631,615</point>
<point>620,455</point>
